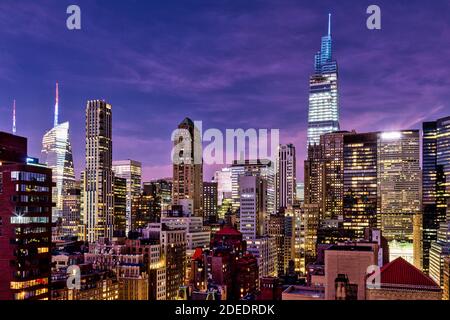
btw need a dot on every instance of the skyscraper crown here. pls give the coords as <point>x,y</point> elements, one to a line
<point>323,60</point>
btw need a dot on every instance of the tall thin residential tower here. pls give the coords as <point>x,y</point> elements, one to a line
<point>323,114</point>
<point>98,197</point>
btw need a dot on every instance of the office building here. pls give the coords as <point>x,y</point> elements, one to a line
<point>286,176</point>
<point>300,192</point>
<point>314,176</point>
<point>281,228</point>
<point>224,188</point>
<point>196,236</point>
<point>173,253</point>
<point>188,166</point>
<point>71,212</point>
<point>435,195</point>
<point>399,184</point>
<point>260,167</point>
<point>276,230</point>
<point>156,198</point>
<point>252,190</point>
<point>25,223</point>
<point>210,202</point>
<point>264,249</point>
<point>120,206</point>
<point>131,171</point>
<point>307,220</point>
<point>360,182</point>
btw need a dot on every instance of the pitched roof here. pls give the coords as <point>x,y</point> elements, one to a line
<point>228,231</point>
<point>197,254</point>
<point>403,274</point>
<point>187,122</point>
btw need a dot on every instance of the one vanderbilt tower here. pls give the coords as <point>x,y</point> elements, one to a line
<point>323,115</point>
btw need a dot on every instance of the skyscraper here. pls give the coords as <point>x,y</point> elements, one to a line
<point>57,155</point>
<point>131,171</point>
<point>71,212</point>
<point>188,166</point>
<point>314,176</point>
<point>434,202</point>
<point>25,223</point>
<point>323,115</point>
<point>324,177</point>
<point>441,247</point>
<point>252,190</point>
<point>360,182</point>
<point>254,167</point>
<point>332,147</point>
<point>399,204</point>
<point>278,229</point>
<point>120,206</point>
<point>286,176</point>
<point>98,198</point>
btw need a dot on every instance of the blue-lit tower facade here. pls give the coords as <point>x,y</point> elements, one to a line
<point>323,114</point>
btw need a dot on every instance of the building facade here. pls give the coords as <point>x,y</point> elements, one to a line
<point>57,155</point>
<point>253,211</point>
<point>188,166</point>
<point>120,206</point>
<point>286,180</point>
<point>98,198</point>
<point>25,223</point>
<point>210,202</point>
<point>399,185</point>
<point>131,171</point>
<point>436,190</point>
<point>360,182</point>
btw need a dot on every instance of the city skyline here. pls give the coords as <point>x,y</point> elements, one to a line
<point>160,90</point>
<point>214,150</point>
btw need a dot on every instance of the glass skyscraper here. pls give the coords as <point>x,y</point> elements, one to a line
<point>57,155</point>
<point>131,171</point>
<point>399,204</point>
<point>323,115</point>
<point>437,201</point>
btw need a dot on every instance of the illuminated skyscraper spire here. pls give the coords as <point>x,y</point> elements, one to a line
<point>56,107</point>
<point>329,24</point>
<point>57,155</point>
<point>323,116</point>
<point>14,129</point>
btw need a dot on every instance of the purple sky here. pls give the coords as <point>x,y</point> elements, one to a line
<point>232,64</point>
